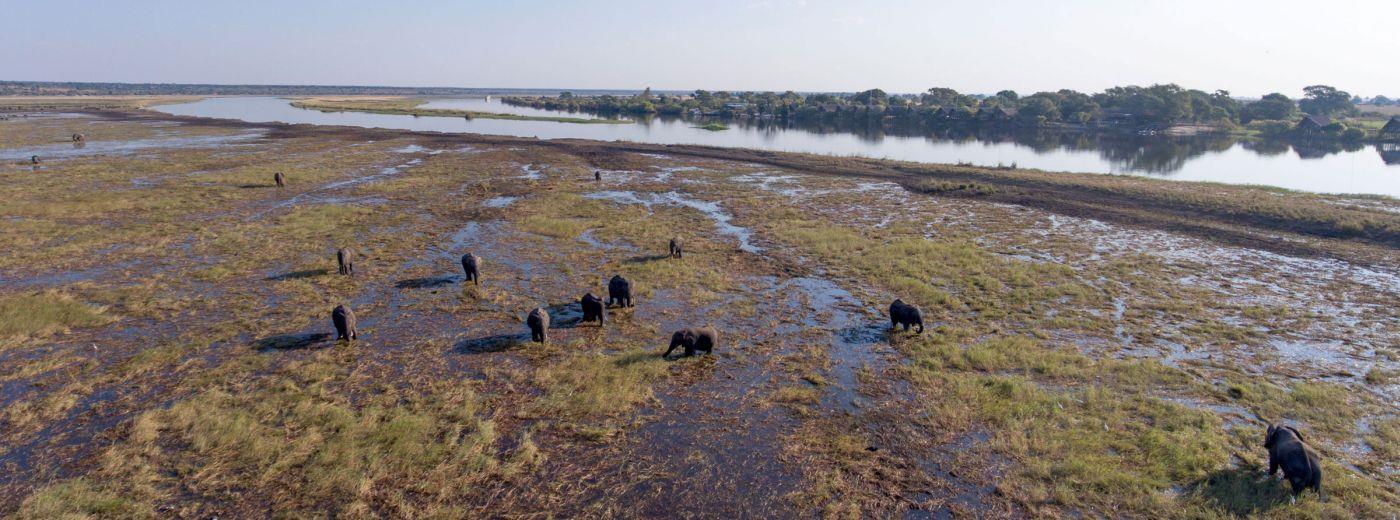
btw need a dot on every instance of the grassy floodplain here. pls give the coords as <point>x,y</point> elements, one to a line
<point>410,107</point>
<point>1096,345</point>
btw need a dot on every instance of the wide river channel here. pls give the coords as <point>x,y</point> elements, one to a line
<point>1325,168</point>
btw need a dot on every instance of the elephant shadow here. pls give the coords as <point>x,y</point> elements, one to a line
<point>297,275</point>
<point>255,186</point>
<point>1241,491</point>
<point>864,334</point>
<point>427,282</point>
<point>290,341</point>
<point>646,259</point>
<point>489,344</point>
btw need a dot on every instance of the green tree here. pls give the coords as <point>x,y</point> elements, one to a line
<point>1271,107</point>
<point>1323,100</point>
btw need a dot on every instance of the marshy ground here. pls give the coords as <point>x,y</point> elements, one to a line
<point>165,343</point>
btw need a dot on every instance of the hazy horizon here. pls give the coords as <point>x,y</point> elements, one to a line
<point>1249,48</point>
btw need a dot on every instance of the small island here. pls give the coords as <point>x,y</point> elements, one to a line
<point>713,127</point>
<point>411,107</point>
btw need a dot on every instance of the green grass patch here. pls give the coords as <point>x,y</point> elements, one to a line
<point>41,314</point>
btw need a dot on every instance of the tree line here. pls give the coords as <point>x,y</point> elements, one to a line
<point>1128,105</point>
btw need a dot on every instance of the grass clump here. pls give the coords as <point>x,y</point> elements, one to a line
<point>41,314</point>
<point>593,385</point>
<point>713,127</point>
<point>78,499</point>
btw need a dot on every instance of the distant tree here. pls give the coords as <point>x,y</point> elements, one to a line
<point>946,98</point>
<point>1271,107</point>
<point>646,94</point>
<point>1380,101</point>
<point>873,96</point>
<point>566,95</point>
<point>1322,100</point>
<point>1008,95</point>
<point>1039,108</point>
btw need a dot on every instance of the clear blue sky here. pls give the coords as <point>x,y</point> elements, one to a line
<point>1249,47</point>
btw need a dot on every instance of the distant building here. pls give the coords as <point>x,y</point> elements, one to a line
<point>1391,130</point>
<point>1311,124</point>
<point>996,114</point>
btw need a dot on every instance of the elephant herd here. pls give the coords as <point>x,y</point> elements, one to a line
<point>690,340</point>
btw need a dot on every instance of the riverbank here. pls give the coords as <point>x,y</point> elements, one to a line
<point>1358,228</point>
<point>410,107</point>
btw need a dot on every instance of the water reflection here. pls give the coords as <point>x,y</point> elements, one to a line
<point>1318,167</point>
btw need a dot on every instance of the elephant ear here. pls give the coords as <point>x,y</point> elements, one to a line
<point>1269,435</point>
<point>1295,431</point>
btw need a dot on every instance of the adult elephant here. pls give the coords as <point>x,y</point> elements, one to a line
<point>538,321</point>
<point>904,314</point>
<point>344,320</point>
<point>593,308</point>
<point>345,259</point>
<point>620,291</point>
<point>702,339</point>
<point>471,265</point>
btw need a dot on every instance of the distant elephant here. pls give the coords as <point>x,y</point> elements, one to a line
<point>593,308</point>
<point>538,321</point>
<point>904,314</point>
<point>703,339</point>
<point>676,248</point>
<point>597,175</point>
<point>471,264</point>
<point>344,320</point>
<point>346,258</point>
<point>79,137</point>
<point>280,179</point>
<point>620,291</point>
<point>1299,463</point>
<point>34,159</point>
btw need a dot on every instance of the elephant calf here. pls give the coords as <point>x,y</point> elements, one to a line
<point>904,314</point>
<point>345,257</point>
<point>1287,451</point>
<point>471,264</point>
<point>34,159</point>
<point>593,308</point>
<point>597,175</point>
<point>676,248</point>
<point>344,320</point>
<point>280,179</point>
<point>79,138</point>
<point>702,339</point>
<point>620,291</point>
<point>538,320</point>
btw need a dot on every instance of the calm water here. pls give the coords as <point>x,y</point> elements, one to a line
<point>1322,169</point>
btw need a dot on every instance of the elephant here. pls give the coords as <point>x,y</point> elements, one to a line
<point>676,248</point>
<point>79,137</point>
<point>471,264</point>
<point>280,179</point>
<point>593,308</point>
<point>620,291</point>
<point>538,320</point>
<point>33,159</point>
<point>1299,463</point>
<point>346,258</point>
<point>904,314</point>
<point>702,339</point>
<point>344,320</point>
<point>597,175</point>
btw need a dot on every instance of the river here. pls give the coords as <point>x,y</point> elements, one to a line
<point>1324,168</point>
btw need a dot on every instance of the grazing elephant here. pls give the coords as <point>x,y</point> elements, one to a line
<point>538,320</point>
<point>1287,451</point>
<point>471,264</point>
<point>344,320</point>
<point>34,159</point>
<point>593,308</point>
<point>280,179</point>
<point>904,314</point>
<point>79,137</point>
<point>346,258</point>
<point>676,248</point>
<point>597,175</point>
<point>620,291</point>
<point>702,339</point>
